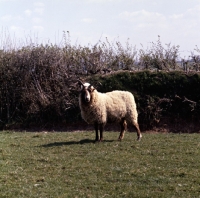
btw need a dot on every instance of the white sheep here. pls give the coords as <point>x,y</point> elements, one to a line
<point>99,108</point>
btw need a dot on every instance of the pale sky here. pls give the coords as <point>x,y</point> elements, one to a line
<point>176,21</point>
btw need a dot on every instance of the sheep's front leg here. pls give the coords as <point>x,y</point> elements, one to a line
<point>101,132</point>
<point>97,133</point>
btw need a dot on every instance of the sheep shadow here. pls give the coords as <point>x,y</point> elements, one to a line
<point>84,141</point>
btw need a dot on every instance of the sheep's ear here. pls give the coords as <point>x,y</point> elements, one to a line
<point>91,88</point>
<point>80,83</point>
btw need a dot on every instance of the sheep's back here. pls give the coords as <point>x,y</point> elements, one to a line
<point>120,104</point>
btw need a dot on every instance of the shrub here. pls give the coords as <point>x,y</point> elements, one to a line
<point>38,82</point>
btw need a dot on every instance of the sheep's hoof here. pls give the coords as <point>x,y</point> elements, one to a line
<point>139,138</point>
<point>98,141</point>
<point>120,139</point>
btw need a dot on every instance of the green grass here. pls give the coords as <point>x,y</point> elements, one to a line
<point>71,165</point>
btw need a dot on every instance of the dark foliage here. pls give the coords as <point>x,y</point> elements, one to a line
<point>163,98</point>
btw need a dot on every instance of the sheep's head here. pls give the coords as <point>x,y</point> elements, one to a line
<point>86,91</point>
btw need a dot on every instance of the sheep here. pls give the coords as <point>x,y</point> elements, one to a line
<point>100,108</point>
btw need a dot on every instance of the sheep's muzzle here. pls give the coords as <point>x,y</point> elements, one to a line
<point>86,95</point>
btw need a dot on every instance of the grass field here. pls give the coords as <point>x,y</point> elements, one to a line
<point>69,164</point>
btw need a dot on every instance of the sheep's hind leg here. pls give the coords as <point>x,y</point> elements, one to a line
<point>139,135</point>
<point>96,131</point>
<point>123,125</point>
